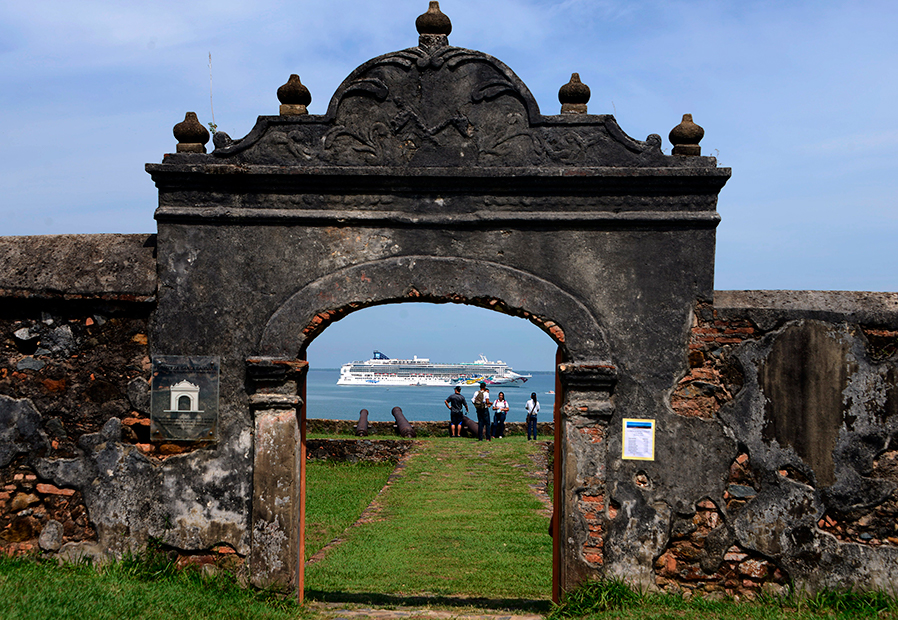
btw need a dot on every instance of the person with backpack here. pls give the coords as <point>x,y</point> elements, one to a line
<point>532,408</point>
<point>482,405</point>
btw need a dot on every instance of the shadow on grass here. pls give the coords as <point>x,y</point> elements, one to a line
<point>535,606</point>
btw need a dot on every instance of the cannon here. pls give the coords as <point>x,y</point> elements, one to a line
<point>405,429</point>
<point>469,424</point>
<point>361,429</point>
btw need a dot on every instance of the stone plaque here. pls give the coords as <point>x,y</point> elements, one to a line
<point>184,398</point>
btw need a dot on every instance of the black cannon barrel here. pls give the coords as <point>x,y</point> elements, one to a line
<point>405,429</point>
<point>469,424</point>
<point>361,429</point>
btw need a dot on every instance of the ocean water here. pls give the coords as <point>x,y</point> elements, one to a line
<point>329,401</point>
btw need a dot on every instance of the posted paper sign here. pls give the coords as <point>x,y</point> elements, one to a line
<point>639,439</point>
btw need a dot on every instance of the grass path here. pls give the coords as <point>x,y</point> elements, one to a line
<point>323,500</point>
<point>340,492</point>
<point>461,521</point>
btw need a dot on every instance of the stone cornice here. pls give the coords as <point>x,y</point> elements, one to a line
<point>578,219</point>
<point>187,170</point>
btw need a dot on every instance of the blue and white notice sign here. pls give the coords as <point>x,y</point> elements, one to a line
<point>639,440</point>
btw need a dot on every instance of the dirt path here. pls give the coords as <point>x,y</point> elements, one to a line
<point>337,611</point>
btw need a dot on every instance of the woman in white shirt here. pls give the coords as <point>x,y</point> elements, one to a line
<point>500,407</point>
<point>532,408</point>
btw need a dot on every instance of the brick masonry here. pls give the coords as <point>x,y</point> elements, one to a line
<point>701,556</point>
<point>27,506</point>
<point>875,526</point>
<point>76,366</point>
<point>713,377</point>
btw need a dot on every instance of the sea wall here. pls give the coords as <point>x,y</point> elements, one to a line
<point>422,429</point>
<point>358,450</point>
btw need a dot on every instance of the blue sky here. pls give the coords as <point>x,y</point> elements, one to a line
<point>797,97</point>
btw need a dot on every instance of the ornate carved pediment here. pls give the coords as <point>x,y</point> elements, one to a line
<point>445,106</point>
<point>437,105</point>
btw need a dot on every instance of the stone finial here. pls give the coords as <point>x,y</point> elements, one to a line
<point>191,135</point>
<point>294,97</point>
<point>434,21</point>
<point>574,96</point>
<point>433,27</point>
<point>686,136</point>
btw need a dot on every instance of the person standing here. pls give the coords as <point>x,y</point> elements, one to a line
<point>455,402</point>
<point>482,405</point>
<point>532,408</point>
<point>500,410</point>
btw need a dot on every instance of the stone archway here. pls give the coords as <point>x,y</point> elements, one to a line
<point>438,280</point>
<point>433,176</point>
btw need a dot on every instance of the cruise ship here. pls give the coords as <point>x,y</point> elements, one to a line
<point>381,370</point>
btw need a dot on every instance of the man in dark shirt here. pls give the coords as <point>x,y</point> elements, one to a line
<point>454,403</point>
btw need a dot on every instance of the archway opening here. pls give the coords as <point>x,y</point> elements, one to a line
<point>441,334</point>
<point>280,368</point>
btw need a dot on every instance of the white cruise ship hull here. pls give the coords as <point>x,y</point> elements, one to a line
<point>382,371</point>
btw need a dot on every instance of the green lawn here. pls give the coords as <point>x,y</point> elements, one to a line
<point>459,521</point>
<point>336,495</point>
<point>614,600</point>
<point>147,588</point>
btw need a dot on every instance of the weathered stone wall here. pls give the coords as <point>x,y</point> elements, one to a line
<point>801,386</point>
<point>795,392</point>
<point>75,451</point>
<point>74,319</point>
